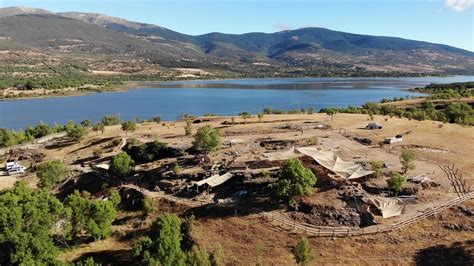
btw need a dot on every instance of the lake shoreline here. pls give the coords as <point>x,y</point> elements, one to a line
<point>134,85</point>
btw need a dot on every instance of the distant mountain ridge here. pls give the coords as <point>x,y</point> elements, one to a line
<point>317,49</point>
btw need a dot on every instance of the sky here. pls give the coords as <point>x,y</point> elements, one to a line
<point>440,21</point>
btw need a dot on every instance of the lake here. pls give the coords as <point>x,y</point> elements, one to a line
<point>223,97</point>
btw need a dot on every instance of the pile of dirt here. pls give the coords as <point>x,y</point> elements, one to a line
<point>25,154</point>
<point>458,227</point>
<point>322,215</point>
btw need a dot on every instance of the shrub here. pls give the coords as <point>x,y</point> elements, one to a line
<point>76,132</point>
<point>207,139</point>
<point>148,205</point>
<point>188,130</point>
<point>406,158</point>
<point>51,173</point>
<point>302,252</point>
<point>313,141</point>
<point>396,182</point>
<point>99,127</point>
<point>294,180</point>
<point>245,116</point>
<point>177,169</point>
<point>377,168</point>
<point>110,120</point>
<point>156,119</point>
<point>97,153</point>
<point>86,123</point>
<point>121,165</point>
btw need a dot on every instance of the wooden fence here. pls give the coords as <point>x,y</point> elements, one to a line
<point>312,230</point>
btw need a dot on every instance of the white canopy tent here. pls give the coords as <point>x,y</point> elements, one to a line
<point>215,180</point>
<point>389,207</point>
<point>328,159</point>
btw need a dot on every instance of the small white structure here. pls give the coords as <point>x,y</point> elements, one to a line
<point>373,126</point>
<point>215,180</point>
<point>14,168</point>
<point>397,138</point>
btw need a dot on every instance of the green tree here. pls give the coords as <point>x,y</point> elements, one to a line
<point>331,112</point>
<point>303,252</point>
<point>163,245</point>
<point>157,119</point>
<point>460,113</point>
<point>396,182</point>
<point>260,116</point>
<point>245,116</point>
<point>377,168</point>
<point>41,130</point>
<point>407,159</point>
<point>294,180</point>
<point>93,216</point>
<point>76,132</point>
<point>27,218</point>
<point>188,130</point>
<point>207,139</point>
<point>51,173</point>
<point>129,126</point>
<point>121,165</point>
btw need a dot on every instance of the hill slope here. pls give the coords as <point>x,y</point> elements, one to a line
<point>308,51</point>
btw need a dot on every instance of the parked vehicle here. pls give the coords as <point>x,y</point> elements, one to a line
<point>373,126</point>
<point>397,138</point>
<point>14,168</point>
<point>17,170</point>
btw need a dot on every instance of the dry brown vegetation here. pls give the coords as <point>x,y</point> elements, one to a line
<point>240,232</point>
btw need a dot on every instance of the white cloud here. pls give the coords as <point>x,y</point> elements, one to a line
<point>459,5</point>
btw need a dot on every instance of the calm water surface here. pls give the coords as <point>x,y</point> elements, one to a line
<point>228,97</point>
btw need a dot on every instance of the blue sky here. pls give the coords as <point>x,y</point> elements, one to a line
<point>441,21</point>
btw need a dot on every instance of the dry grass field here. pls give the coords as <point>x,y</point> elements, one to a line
<point>239,234</point>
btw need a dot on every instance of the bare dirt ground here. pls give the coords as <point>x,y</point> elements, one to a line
<point>240,233</point>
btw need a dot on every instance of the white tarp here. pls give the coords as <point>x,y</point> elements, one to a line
<point>388,207</point>
<point>281,155</point>
<point>215,180</point>
<point>345,169</point>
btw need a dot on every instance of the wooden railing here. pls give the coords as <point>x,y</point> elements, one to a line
<point>289,224</point>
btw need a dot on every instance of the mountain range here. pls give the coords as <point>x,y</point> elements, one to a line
<point>95,40</point>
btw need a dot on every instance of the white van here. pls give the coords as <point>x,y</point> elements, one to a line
<point>16,170</point>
